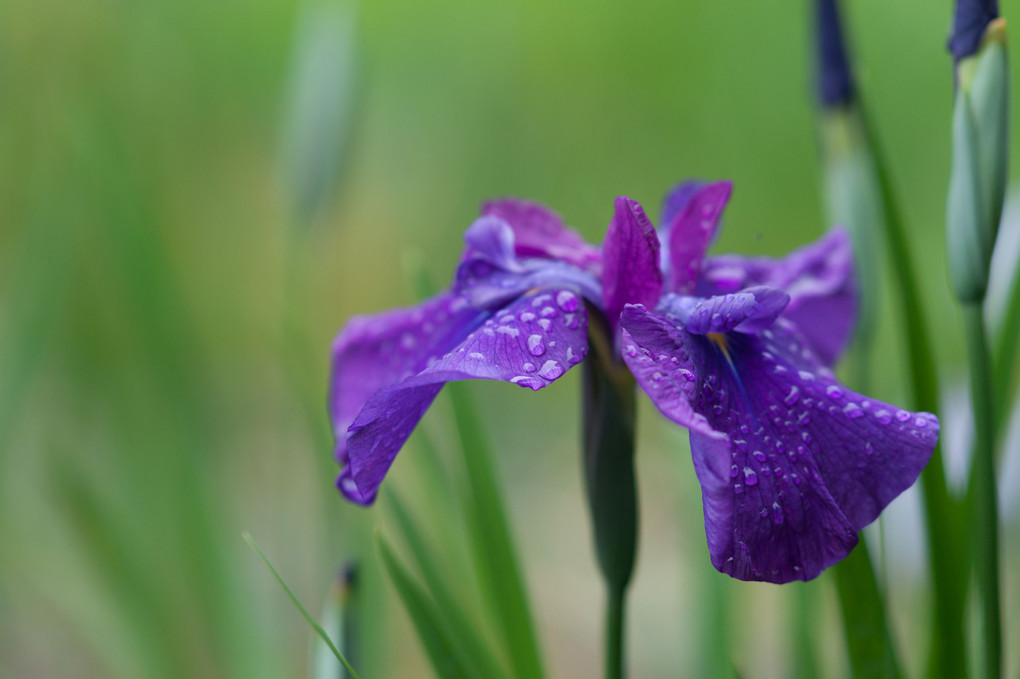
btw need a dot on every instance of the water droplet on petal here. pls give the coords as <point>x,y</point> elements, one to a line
<point>758,455</point>
<point>529,367</point>
<point>869,449</point>
<point>544,323</point>
<point>902,415</point>
<point>883,416</point>
<point>734,470</point>
<point>527,317</point>
<point>550,370</point>
<point>631,350</point>
<point>535,345</point>
<point>567,300</point>
<point>792,397</point>
<point>853,411</point>
<point>834,392</point>
<point>687,374</point>
<point>750,478</point>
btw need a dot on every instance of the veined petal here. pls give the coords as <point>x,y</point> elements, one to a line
<point>819,278</point>
<point>630,261</point>
<point>540,232</point>
<point>531,343</point>
<point>373,352</point>
<point>749,310</point>
<point>792,464</point>
<point>691,231</point>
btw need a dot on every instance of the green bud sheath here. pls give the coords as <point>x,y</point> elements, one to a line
<point>608,440</point>
<point>977,181</point>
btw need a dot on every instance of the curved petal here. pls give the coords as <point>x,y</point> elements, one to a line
<point>376,351</point>
<point>691,231</point>
<point>809,462</point>
<point>819,278</point>
<point>677,199</point>
<point>749,310</point>
<point>540,232</point>
<point>630,261</point>
<point>530,343</point>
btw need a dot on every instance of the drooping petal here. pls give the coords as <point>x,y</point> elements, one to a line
<point>373,352</point>
<point>530,343</point>
<point>540,232</point>
<point>792,464</point>
<point>819,278</point>
<point>630,261</point>
<point>691,231</point>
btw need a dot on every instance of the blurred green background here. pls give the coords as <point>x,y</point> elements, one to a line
<point>195,196</point>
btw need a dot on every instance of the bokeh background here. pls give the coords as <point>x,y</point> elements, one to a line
<point>195,196</point>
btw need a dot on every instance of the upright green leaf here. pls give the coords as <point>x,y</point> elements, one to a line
<point>492,543</point>
<point>428,621</point>
<point>464,631</point>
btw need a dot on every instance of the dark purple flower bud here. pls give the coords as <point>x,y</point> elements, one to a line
<point>835,85</point>
<point>970,19</point>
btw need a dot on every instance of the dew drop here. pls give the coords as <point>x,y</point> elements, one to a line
<point>567,300</point>
<point>631,350</point>
<point>741,445</point>
<point>547,312</point>
<point>805,375</point>
<point>777,513</point>
<point>734,470</point>
<point>529,367</point>
<point>883,416</point>
<point>527,317</point>
<point>902,415</point>
<point>869,449</point>
<point>687,374</point>
<point>921,422</point>
<point>550,370</point>
<point>853,411</point>
<point>571,356</point>
<point>477,356</point>
<point>834,392</point>
<point>544,323</point>
<point>758,455</point>
<point>792,397</point>
<point>750,478</point>
<point>535,345</point>
<point>780,369</point>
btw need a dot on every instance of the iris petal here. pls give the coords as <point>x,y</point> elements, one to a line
<point>819,278</point>
<point>691,232</point>
<point>373,352</point>
<point>531,343</point>
<point>791,463</point>
<point>540,232</point>
<point>630,261</point>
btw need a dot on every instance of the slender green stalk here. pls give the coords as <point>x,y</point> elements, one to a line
<point>943,514</point>
<point>986,516</point>
<point>297,604</point>
<point>869,643</point>
<point>1004,358</point>
<point>614,660</point>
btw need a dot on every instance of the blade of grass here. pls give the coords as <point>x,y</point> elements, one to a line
<point>427,621</point>
<point>297,604</point>
<point>464,631</point>
<point>493,545</point>
<point>869,642</point>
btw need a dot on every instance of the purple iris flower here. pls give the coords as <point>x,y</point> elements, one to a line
<point>517,311</point>
<point>792,464</point>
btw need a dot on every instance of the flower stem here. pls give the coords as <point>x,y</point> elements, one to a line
<point>614,661</point>
<point>986,516</point>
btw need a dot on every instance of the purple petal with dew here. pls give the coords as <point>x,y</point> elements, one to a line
<point>530,343</point>
<point>691,232</point>
<point>792,464</point>
<point>819,278</point>
<point>540,232</point>
<point>376,351</point>
<point>749,310</point>
<point>630,261</point>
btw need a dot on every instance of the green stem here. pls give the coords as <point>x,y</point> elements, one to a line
<point>986,516</point>
<point>615,603</point>
<point>869,642</point>
<point>946,554</point>
<point>1005,357</point>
